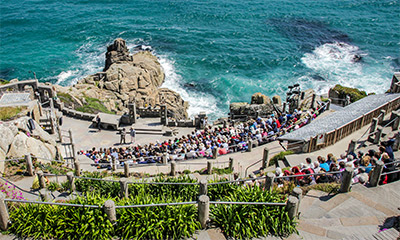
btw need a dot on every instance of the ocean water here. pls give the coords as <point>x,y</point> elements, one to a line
<point>213,52</point>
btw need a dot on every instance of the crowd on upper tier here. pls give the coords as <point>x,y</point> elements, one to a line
<point>200,143</point>
<point>361,162</point>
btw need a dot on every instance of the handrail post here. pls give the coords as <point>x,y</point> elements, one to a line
<point>204,210</point>
<point>396,123</point>
<point>378,135</point>
<point>77,168</point>
<point>4,216</point>
<point>352,146</point>
<point>123,182</point>
<point>297,192</point>
<point>173,168</point>
<point>214,152</point>
<point>396,143</point>
<point>376,174</point>
<point>114,164</point>
<point>109,209</point>
<point>29,165</point>
<point>209,168</point>
<point>71,180</point>
<point>231,163</point>
<point>381,116</point>
<point>374,124</point>
<point>165,159</point>
<point>203,187</point>
<point>250,145</point>
<point>126,169</point>
<point>42,182</point>
<point>292,206</point>
<point>265,161</point>
<point>346,180</point>
<point>269,181</point>
<point>72,145</point>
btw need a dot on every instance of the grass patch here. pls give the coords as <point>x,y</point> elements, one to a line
<point>65,98</point>
<point>279,156</point>
<point>4,82</point>
<point>324,187</point>
<point>9,113</point>
<point>354,93</point>
<point>93,105</point>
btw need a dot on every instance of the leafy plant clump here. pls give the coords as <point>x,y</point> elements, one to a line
<point>354,93</point>
<point>279,156</point>
<point>4,82</point>
<point>60,222</point>
<point>248,221</point>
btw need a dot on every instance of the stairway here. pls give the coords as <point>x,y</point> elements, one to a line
<point>355,215</point>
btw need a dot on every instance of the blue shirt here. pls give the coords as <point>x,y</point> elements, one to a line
<point>324,166</point>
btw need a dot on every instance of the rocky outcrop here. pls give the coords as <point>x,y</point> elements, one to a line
<point>18,140</point>
<point>126,78</point>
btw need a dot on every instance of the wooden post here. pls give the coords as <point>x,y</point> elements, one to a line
<point>269,181</point>
<point>126,169</point>
<point>292,206</point>
<point>203,187</point>
<point>165,158</point>
<point>328,105</point>
<point>376,174</point>
<point>231,163</point>
<point>396,122</point>
<point>374,124</point>
<point>42,181</point>
<point>214,152</point>
<point>265,161</point>
<point>114,165</point>
<point>59,132</point>
<point>381,116</point>
<point>173,168</point>
<point>396,143</point>
<point>346,180</point>
<point>71,180</point>
<point>72,145</point>
<point>352,146</point>
<point>204,210</point>
<point>4,216</point>
<point>313,100</point>
<point>77,168</point>
<point>123,183</point>
<point>284,107</point>
<point>297,192</point>
<point>29,165</point>
<point>378,135</point>
<point>109,210</point>
<point>209,168</point>
<point>250,145</point>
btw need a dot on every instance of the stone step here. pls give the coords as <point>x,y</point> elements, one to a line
<point>150,132</point>
<point>378,197</point>
<point>388,234</point>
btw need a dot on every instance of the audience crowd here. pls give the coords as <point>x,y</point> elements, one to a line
<point>201,143</point>
<point>331,167</point>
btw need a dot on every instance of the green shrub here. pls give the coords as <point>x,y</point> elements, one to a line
<point>354,93</point>
<point>60,222</point>
<point>249,221</point>
<point>279,156</point>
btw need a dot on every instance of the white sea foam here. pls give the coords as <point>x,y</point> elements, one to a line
<point>334,62</point>
<point>91,60</point>
<point>199,101</point>
<point>63,76</point>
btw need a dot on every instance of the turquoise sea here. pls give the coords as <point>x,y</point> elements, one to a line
<point>213,52</point>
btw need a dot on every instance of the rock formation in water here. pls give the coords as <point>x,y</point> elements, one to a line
<point>125,78</point>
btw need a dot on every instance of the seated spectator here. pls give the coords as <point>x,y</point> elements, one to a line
<point>323,164</point>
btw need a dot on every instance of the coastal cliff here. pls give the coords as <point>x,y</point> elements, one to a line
<point>125,78</point>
